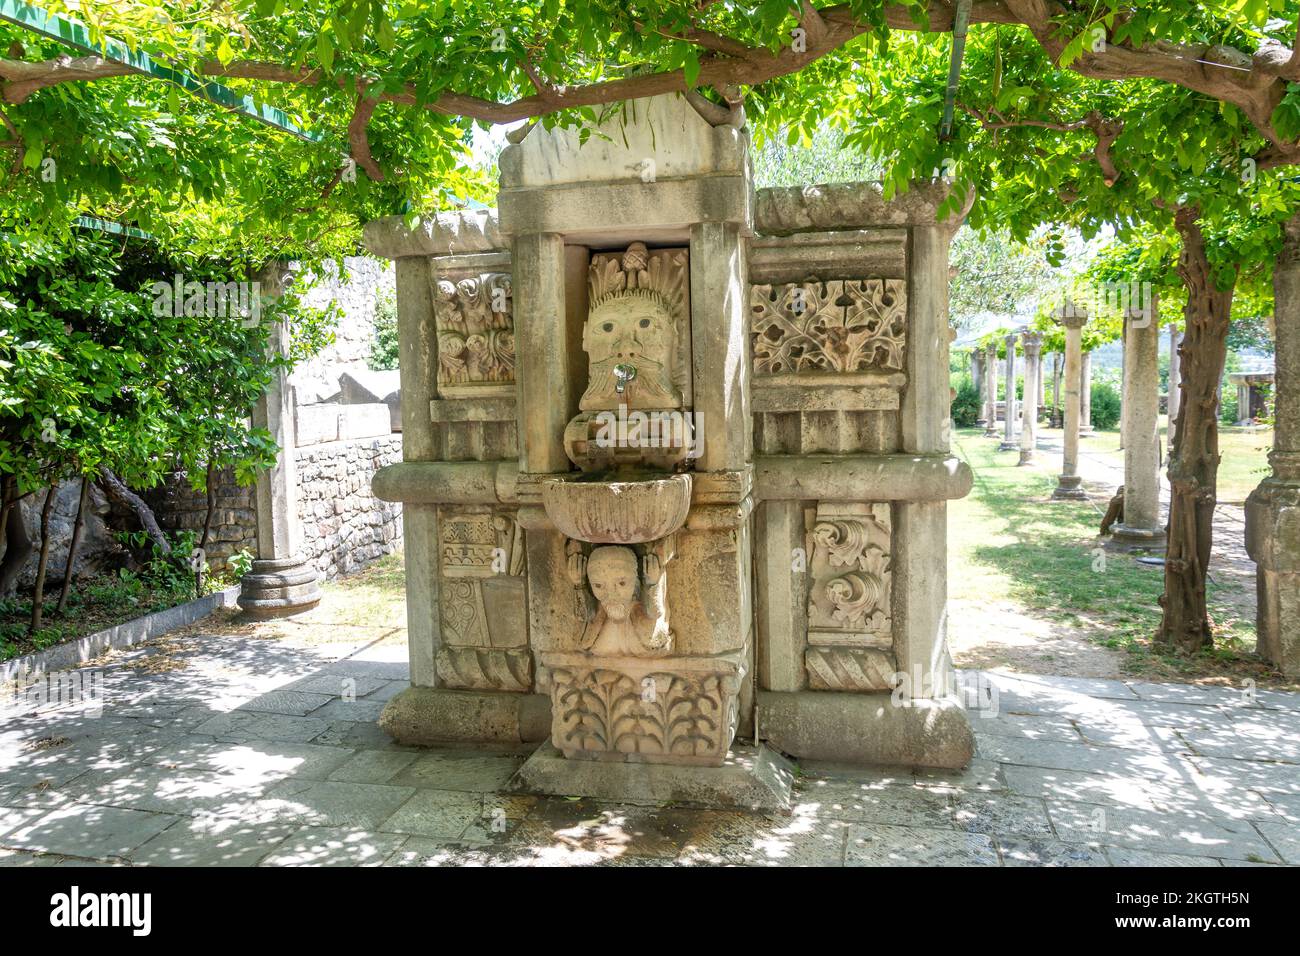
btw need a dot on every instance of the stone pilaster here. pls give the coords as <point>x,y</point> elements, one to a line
<point>281,581</point>
<point>542,272</point>
<point>977,378</point>
<point>1141,526</point>
<point>1033,345</point>
<point>1068,486</point>
<point>1009,410</point>
<point>1273,509</point>
<point>720,345</point>
<point>1243,404</point>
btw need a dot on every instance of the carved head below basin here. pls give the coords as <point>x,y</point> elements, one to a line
<point>617,509</point>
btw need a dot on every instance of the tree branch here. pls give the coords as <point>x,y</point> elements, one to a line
<point>1255,83</point>
<point>358,141</point>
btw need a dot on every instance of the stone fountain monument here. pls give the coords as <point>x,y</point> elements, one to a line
<point>676,467</point>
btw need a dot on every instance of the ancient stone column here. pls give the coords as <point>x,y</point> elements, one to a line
<point>1056,386</point>
<point>1085,395</point>
<point>281,581</point>
<point>1040,378</point>
<point>1243,401</point>
<point>1175,379</point>
<point>1273,509</point>
<point>1033,344</point>
<point>1073,318</point>
<point>977,377</point>
<point>1141,526</point>
<point>991,390</point>
<point>1009,426</point>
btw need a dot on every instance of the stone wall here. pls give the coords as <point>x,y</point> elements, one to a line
<point>344,526</point>
<point>367,281</point>
<point>178,507</point>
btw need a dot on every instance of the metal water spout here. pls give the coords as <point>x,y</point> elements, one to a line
<point>623,374</point>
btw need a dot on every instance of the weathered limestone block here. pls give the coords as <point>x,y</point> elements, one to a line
<point>682,710</point>
<point>367,387</point>
<point>861,728</point>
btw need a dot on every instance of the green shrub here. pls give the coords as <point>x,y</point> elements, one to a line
<point>966,405</point>
<point>383,347</point>
<point>1228,406</point>
<point>1105,405</point>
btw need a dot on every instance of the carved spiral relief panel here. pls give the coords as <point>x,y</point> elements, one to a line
<point>850,633</point>
<point>844,326</point>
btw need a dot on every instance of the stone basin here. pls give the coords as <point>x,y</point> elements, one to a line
<point>613,509</point>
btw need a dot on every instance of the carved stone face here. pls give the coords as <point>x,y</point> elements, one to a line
<point>631,329</point>
<point>636,330</point>
<point>612,573</point>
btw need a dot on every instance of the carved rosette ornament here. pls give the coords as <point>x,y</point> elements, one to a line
<point>850,632</point>
<point>839,326</point>
<point>476,341</point>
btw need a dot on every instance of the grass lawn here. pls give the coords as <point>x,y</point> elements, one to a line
<point>1243,456</point>
<point>1007,539</point>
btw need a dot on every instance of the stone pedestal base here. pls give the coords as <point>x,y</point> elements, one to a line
<point>1273,542</point>
<point>981,422</point>
<point>278,587</point>
<point>1086,431</point>
<point>1134,539</point>
<point>1069,488</point>
<point>866,728</point>
<point>1009,446</point>
<point>750,778</point>
<point>427,716</point>
<point>991,430</point>
<point>1026,456</point>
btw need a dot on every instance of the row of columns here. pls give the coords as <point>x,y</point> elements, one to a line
<point>984,372</point>
<point>984,375</point>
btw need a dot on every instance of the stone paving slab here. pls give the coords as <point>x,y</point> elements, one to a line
<point>334,846</point>
<point>238,751</point>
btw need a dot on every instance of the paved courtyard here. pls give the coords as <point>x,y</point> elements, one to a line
<point>236,749</point>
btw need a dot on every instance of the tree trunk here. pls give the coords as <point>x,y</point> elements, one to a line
<point>77,528</point>
<point>38,592</point>
<point>1194,460</point>
<point>115,487</point>
<point>207,530</point>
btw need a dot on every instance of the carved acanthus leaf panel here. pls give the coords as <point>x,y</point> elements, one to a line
<point>843,326</point>
<point>476,341</point>
<point>678,718</point>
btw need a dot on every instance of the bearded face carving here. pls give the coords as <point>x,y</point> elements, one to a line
<point>630,613</point>
<point>637,308</point>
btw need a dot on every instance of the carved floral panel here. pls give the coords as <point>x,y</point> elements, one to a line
<point>843,326</point>
<point>476,340</point>
<point>659,716</point>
